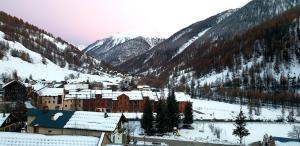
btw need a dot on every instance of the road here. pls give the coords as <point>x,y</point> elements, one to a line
<point>177,142</point>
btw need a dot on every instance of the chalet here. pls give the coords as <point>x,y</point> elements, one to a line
<point>14,91</point>
<point>8,122</point>
<point>31,139</point>
<point>58,122</point>
<point>51,98</point>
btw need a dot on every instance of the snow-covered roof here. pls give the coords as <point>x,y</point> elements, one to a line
<point>12,82</point>
<point>94,121</point>
<point>2,119</point>
<point>51,92</point>
<point>30,139</point>
<point>143,86</point>
<point>80,94</point>
<point>180,96</point>
<point>57,85</point>
<point>38,86</point>
<point>76,86</point>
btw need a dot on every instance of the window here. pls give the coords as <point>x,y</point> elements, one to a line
<point>49,101</point>
<point>53,101</point>
<point>66,105</point>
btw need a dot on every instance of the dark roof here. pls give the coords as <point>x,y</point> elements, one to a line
<point>283,139</point>
<point>44,118</point>
<point>13,82</point>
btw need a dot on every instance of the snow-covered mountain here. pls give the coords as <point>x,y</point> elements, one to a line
<point>120,47</point>
<point>196,45</point>
<point>33,52</point>
<point>173,46</point>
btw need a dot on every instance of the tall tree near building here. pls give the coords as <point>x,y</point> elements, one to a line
<point>173,112</point>
<point>240,125</point>
<point>188,114</point>
<point>162,117</point>
<point>147,118</point>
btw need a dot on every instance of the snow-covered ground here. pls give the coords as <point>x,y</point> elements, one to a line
<point>202,132</point>
<point>220,110</point>
<point>38,70</point>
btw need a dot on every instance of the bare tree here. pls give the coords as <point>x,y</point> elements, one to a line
<point>295,133</point>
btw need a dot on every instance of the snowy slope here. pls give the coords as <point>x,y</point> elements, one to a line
<point>189,42</point>
<point>37,69</point>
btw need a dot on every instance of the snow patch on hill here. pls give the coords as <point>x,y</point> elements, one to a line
<point>38,70</point>
<point>188,43</point>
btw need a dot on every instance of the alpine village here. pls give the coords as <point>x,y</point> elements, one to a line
<point>229,79</point>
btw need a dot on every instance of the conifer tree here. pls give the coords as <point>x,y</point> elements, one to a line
<point>173,112</point>
<point>240,125</point>
<point>147,118</point>
<point>188,114</point>
<point>162,117</point>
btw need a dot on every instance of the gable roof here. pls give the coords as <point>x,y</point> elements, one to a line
<point>13,82</point>
<point>94,121</point>
<point>51,92</point>
<point>75,120</point>
<point>22,139</point>
<point>44,118</point>
<point>3,119</point>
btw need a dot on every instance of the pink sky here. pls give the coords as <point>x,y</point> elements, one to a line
<point>85,21</point>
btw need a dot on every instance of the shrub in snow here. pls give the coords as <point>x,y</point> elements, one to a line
<point>295,133</point>
<point>217,132</point>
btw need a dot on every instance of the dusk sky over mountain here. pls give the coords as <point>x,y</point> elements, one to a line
<point>83,22</point>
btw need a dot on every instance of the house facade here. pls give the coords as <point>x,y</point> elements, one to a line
<point>51,98</point>
<point>15,91</point>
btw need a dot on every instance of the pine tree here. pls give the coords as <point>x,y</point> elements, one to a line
<point>15,75</point>
<point>147,118</point>
<point>162,118</point>
<point>240,125</point>
<point>188,114</point>
<point>173,112</point>
<point>192,88</point>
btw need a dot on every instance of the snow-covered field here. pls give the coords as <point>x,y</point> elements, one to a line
<point>202,132</point>
<point>220,110</point>
<point>38,70</point>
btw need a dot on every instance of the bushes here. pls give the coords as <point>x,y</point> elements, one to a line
<point>3,48</point>
<point>21,54</point>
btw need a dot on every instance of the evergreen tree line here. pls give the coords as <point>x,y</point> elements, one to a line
<point>167,116</point>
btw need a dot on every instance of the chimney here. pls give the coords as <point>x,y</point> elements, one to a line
<point>3,114</point>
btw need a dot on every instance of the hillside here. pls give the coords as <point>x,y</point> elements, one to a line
<point>162,53</point>
<point>32,51</point>
<point>212,52</point>
<point>121,47</point>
